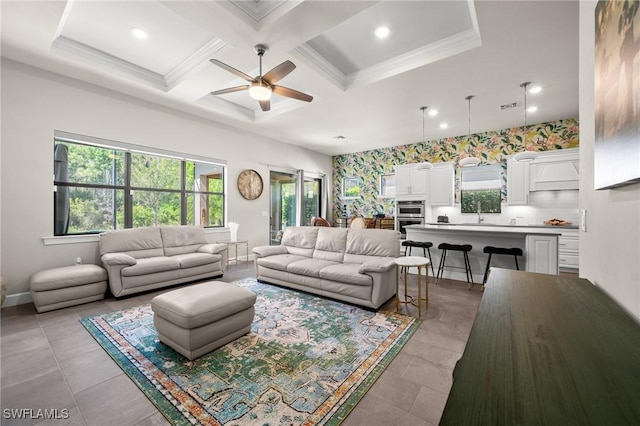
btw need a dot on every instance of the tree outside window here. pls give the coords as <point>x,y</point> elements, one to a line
<point>92,185</point>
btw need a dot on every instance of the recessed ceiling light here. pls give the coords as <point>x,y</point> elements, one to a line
<point>139,33</point>
<point>532,109</point>
<point>433,112</point>
<point>535,89</point>
<point>443,125</point>
<point>382,32</point>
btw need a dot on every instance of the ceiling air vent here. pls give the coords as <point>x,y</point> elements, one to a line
<point>509,106</point>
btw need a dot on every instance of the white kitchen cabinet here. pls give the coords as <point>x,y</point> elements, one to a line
<point>517,182</point>
<point>542,253</point>
<point>412,181</point>
<point>569,250</point>
<point>555,170</point>
<point>442,184</point>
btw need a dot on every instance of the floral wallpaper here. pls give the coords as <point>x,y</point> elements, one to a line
<point>491,147</point>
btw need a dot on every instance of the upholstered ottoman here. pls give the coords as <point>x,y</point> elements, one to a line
<point>67,286</point>
<point>200,318</point>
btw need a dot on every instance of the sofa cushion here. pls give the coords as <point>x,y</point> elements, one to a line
<point>331,244</point>
<point>189,260</point>
<point>373,242</point>
<point>138,243</point>
<point>279,261</point>
<point>300,240</point>
<point>309,267</point>
<point>345,272</point>
<point>182,239</point>
<point>151,265</point>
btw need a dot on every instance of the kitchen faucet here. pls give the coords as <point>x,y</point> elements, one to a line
<point>480,219</point>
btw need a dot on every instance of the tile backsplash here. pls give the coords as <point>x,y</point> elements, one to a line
<point>491,147</point>
<point>543,205</point>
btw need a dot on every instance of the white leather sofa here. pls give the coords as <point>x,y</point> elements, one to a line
<point>353,265</point>
<point>142,259</point>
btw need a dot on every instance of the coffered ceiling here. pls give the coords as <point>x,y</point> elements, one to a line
<point>366,89</point>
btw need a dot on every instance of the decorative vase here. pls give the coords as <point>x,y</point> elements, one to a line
<point>233,231</point>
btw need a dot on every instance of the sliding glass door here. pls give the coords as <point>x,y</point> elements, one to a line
<point>293,204</point>
<point>312,199</point>
<point>284,203</point>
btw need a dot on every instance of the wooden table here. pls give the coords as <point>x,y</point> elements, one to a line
<point>405,263</point>
<point>547,350</point>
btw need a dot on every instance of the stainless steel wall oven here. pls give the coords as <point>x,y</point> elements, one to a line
<point>409,213</point>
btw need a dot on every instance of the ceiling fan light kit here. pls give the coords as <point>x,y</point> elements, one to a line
<point>263,86</point>
<point>259,91</point>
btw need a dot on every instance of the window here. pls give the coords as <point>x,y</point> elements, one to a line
<point>351,187</point>
<point>480,189</point>
<point>100,187</point>
<point>388,185</point>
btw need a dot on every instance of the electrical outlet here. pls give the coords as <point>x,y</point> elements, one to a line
<point>583,220</point>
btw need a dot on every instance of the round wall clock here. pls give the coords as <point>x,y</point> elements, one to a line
<point>250,184</point>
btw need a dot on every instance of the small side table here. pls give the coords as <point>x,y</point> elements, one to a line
<point>407,262</point>
<point>235,244</point>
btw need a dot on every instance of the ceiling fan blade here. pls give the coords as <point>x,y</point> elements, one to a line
<point>230,90</point>
<point>279,72</point>
<point>290,93</point>
<point>265,105</point>
<point>231,69</point>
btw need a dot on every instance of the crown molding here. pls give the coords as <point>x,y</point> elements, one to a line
<point>163,82</point>
<point>441,49</point>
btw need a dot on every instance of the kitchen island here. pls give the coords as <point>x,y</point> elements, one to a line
<point>538,243</point>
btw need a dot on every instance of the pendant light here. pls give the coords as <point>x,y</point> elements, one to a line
<point>425,165</point>
<point>469,161</point>
<point>525,155</point>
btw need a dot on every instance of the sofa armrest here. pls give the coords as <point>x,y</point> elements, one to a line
<point>112,259</point>
<point>212,248</point>
<point>377,265</point>
<point>264,251</point>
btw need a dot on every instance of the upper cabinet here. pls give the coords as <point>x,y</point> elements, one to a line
<point>549,171</point>
<point>556,170</point>
<point>443,184</point>
<point>517,182</point>
<point>412,181</point>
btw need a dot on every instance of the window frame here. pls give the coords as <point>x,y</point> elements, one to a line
<point>387,177</point>
<point>356,180</point>
<point>129,190</point>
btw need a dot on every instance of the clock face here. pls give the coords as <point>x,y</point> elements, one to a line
<point>250,184</point>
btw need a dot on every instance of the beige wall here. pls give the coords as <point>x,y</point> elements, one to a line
<point>610,247</point>
<point>35,103</point>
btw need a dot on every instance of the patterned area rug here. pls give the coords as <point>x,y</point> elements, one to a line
<point>307,361</point>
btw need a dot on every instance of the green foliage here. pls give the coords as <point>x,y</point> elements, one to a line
<point>156,182</point>
<point>489,200</point>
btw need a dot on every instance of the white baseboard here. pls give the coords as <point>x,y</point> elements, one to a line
<point>17,299</point>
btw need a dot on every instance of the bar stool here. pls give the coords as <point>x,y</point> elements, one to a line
<point>515,252</point>
<point>424,245</point>
<point>465,249</point>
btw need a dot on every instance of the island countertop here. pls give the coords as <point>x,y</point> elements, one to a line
<point>488,228</point>
<point>538,243</point>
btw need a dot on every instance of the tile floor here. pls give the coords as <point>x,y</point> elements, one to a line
<point>50,361</point>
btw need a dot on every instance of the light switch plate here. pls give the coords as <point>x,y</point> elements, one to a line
<point>583,220</point>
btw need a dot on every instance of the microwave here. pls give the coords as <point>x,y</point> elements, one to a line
<point>407,209</point>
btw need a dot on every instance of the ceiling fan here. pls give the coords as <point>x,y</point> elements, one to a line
<point>261,87</point>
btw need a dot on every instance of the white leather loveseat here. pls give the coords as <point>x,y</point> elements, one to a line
<point>142,259</point>
<point>353,265</point>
